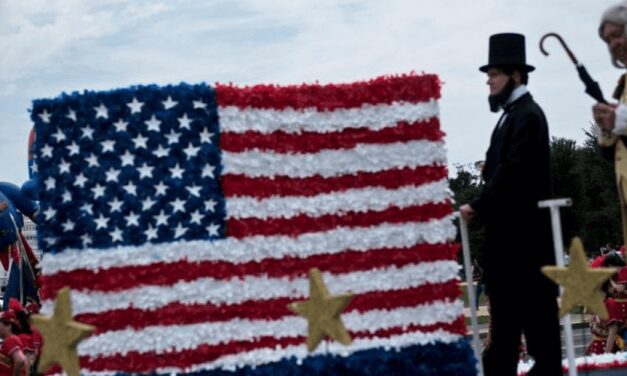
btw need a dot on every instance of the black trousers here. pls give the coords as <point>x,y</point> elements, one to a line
<point>523,306</point>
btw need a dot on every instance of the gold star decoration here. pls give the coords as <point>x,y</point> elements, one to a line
<point>322,312</point>
<point>582,284</point>
<point>61,336</point>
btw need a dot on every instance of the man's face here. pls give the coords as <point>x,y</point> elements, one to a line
<point>614,36</point>
<point>496,80</point>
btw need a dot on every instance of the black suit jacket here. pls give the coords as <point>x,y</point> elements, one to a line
<point>517,174</point>
<point>517,170</point>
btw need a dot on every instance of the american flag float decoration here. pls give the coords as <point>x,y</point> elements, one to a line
<point>186,218</point>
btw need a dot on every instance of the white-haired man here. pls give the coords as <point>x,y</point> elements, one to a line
<point>612,118</point>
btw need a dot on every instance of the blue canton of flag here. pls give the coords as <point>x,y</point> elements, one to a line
<point>129,166</point>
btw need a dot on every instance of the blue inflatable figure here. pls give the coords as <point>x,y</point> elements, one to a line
<point>13,245</point>
<point>30,188</point>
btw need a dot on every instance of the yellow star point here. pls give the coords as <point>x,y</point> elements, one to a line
<point>61,336</point>
<point>582,284</point>
<point>322,312</point>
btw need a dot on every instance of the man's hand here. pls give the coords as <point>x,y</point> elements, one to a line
<point>467,212</point>
<point>605,116</point>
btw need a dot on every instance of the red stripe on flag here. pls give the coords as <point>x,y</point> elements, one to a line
<point>272,309</point>
<point>311,142</point>
<point>407,88</point>
<point>168,273</point>
<point>147,361</point>
<point>241,185</point>
<point>241,228</point>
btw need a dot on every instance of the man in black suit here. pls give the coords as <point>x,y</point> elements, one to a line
<point>517,174</point>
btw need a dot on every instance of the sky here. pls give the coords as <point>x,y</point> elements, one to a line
<point>54,46</point>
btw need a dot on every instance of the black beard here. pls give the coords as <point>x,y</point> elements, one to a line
<point>498,100</point>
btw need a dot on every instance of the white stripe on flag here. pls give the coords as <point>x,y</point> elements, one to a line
<point>374,117</point>
<point>329,163</point>
<point>352,200</point>
<point>215,333</point>
<point>256,248</point>
<point>238,290</point>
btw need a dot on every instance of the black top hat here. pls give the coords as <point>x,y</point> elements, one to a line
<point>507,49</point>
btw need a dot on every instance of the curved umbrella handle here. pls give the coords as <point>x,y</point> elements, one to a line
<point>568,51</point>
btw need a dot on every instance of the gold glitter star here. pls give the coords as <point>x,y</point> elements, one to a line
<point>61,336</point>
<point>322,312</point>
<point>582,284</point>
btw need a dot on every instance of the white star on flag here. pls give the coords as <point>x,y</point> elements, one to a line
<point>98,190</point>
<point>153,124</point>
<point>184,121</point>
<point>92,160</point>
<point>194,190</point>
<point>101,111</point>
<point>116,205</point>
<point>71,114</point>
<point>132,219</point>
<point>148,203</point>
<point>210,205</point>
<point>160,189</point>
<point>212,229</point>
<point>87,208</point>
<point>67,196</point>
<point>161,151</point>
<point>173,137</point>
<point>199,104</point>
<point>80,180</point>
<point>169,103</point>
<point>140,141</point>
<point>86,240</point>
<point>116,235</point>
<point>151,232</point>
<point>178,205</point>
<point>135,106</point>
<point>130,188</point>
<point>127,159</point>
<point>64,166</point>
<point>44,116</point>
<point>50,183</point>
<point>205,136</point>
<point>107,146</point>
<point>196,217</point>
<point>59,135</point>
<point>120,125</point>
<point>112,174</point>
<point>191,150</point>
<point>46,151</point>
<point>49,214</point>
<point>179,231</point>
<point>68,225</point>
<point>161,218</point>
<point>73,148</point>
<point>88,132</point>
<point>207,171</point>
<point>145,171</point>
<point>101,222</point>
<point>177,171</point>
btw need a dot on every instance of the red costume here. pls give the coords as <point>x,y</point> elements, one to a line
<point>10,345</point>
<point>621,298</point>
<point>600,328</point>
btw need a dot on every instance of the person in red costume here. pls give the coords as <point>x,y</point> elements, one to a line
<point>29,335</point>
<point>12,359</point>
<point>605,332</point>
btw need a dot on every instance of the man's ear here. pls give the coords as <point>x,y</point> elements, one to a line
<point>517,77</point>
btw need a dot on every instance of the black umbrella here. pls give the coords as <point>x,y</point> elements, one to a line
<point>592,87</point>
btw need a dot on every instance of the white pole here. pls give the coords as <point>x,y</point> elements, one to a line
<point>556,225</point>
<point>474,324</point>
